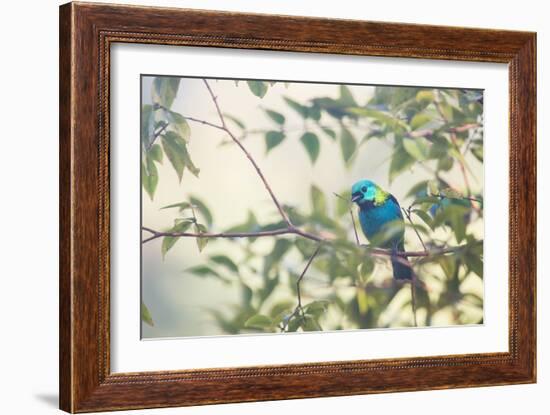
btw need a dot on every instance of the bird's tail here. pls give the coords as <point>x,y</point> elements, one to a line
<point>402,269</point>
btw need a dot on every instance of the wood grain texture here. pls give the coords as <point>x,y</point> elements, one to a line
<point>86,34</point>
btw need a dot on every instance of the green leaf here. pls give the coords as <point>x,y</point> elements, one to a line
<point>343,203</point>
<point>475,264</point>
<point>477,151</point>
<point>426,200</point>
<point>312,145</point>
<point>314,112</point>
<point>146,315</point>
<point>417,189</point>
<point>453,194</point>
<point>225,261</point>
<point>440,147</point>
<point>318,201</point>
<point>228,325</point>
<point>316,307</point>
<point>333,107</point>
<point>273,139</point>
<point>299,108</point>
<point>235,120</point>
<point>175,149</point>
<point>280,312</point>
<point>202,208</point>
<point>246,294</point>
<point>203,271</point>
<point>433,187</point>
<point>259,321</point>
<point>180,125</point>
<point>169,241</point>
<point>330,132</point>
<point>155,153</point>
<point>366,268</point>
<point>172,145</point>
<point>201,242</point>
<point>181,206</point>
<point>453,152</point>
<point>362,301</point>
<point>453,215</point>
<point>426,218</point>
<point>448,265</point>
<point>348,144</point>
<point>282,307</point>
<point>346,98</point>
<point>149,176</point>
<point>258,88</point>
<point>306,247</point>
<point>165,90</point>
<point>147,124</point>
<point>385,118</point>
<point>425,97</point>
<point>419,120</point>
<point>294,324</point>
<point>275,116</point>
<point>445,163</point>
<point>310,324</point>
<point>416,147</point>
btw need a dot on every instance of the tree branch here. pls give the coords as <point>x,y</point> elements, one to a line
<point>297,231</point>
<point>219,127</point>
<point>248,155</point>
<point>157,234</point>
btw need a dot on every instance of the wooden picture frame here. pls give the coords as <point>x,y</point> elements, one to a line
<point>86,33</point>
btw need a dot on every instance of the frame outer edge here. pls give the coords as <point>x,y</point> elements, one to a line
<point>66,120</point>
<point>82,387</point>
<point>527,118</point>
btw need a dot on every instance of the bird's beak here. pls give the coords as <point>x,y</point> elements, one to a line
<point>356,196</point>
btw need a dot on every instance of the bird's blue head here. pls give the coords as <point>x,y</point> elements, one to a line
<point>365,191</point>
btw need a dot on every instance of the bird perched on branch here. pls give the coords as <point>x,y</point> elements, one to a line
<point>382,223</point>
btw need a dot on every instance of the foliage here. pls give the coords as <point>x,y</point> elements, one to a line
<point>437,130</point>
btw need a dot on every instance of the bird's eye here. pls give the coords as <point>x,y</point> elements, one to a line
<point>364,189</point>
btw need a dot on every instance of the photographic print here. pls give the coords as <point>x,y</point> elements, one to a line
<point>275,207</point>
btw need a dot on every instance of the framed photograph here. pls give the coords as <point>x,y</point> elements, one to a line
<point>253,208</point>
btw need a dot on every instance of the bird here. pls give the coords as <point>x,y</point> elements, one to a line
<point>382,223</point>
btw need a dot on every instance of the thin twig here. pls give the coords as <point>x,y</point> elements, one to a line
<point>219,127</point>
<point>299,280</point>
<point>299,309</point>
<point>249,156</point>
<point>408,215</point>
<point>352,217</point>
<point>157,134</point>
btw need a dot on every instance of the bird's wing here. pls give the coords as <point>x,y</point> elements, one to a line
<point>395,205</point>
